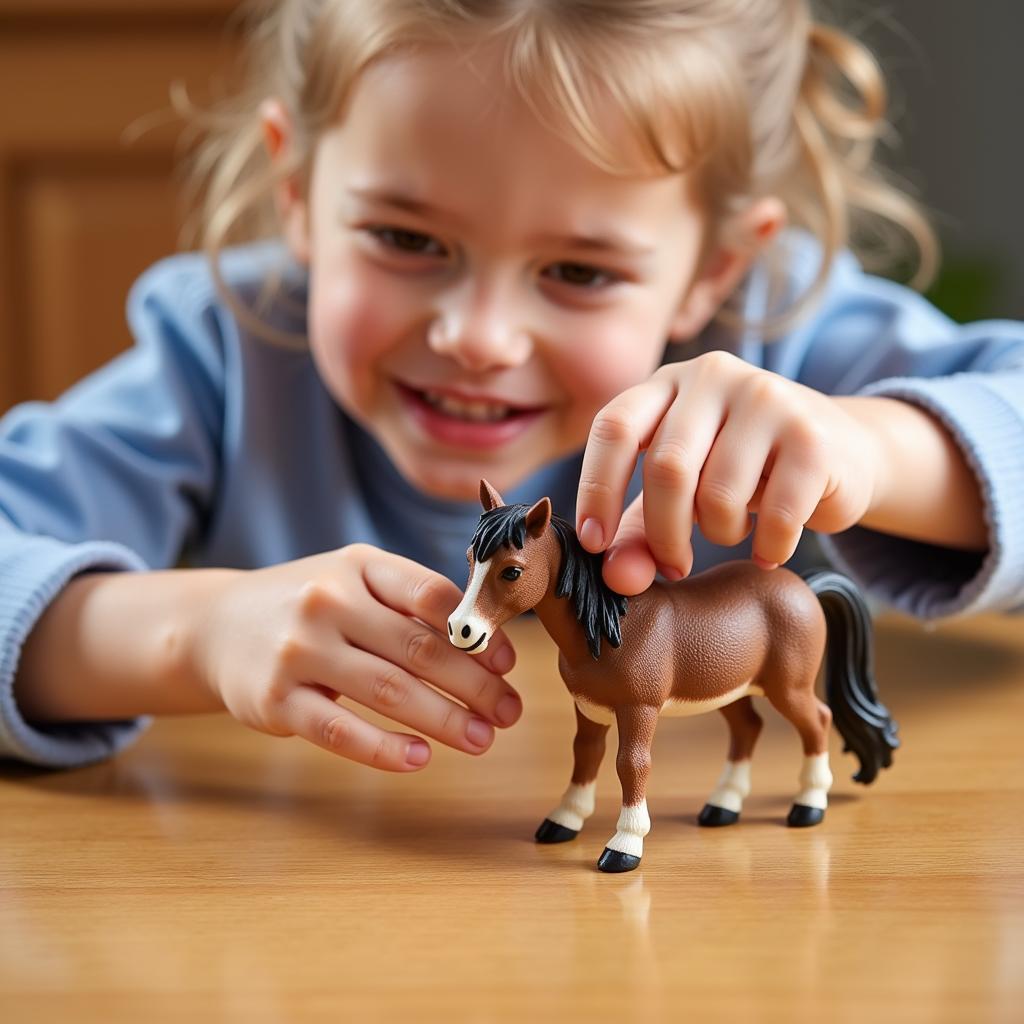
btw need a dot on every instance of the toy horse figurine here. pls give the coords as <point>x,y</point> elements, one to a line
<point>707,642</point>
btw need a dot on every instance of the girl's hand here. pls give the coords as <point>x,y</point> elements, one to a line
<point>723,439</point>
<point>278,646</point>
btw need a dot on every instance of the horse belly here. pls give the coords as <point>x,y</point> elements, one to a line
<point>676,708</point>
<point>595,712</point>
<point>671,708</point>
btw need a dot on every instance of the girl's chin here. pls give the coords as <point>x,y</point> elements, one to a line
<point>459,482</point>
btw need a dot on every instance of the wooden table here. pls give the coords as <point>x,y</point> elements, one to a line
<point>211,873</point>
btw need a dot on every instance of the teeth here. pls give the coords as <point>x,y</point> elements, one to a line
<point>484,412</point>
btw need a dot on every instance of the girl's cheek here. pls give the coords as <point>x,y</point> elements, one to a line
<point>350,330</point>
<point>595,372</point>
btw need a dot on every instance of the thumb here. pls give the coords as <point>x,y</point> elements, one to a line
<point>629,567</point>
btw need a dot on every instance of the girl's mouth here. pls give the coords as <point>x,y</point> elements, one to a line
<point>465,423</point>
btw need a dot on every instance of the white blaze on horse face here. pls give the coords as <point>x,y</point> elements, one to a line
<point>466,629</point>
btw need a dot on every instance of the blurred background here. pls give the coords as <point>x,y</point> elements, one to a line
<point>88,199</point>
<point>956,76</point>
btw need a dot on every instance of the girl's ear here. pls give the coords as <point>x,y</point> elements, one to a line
<point>726,264</point>
<point>289,197</point>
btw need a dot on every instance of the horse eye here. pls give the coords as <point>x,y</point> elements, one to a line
<point>513,572</point>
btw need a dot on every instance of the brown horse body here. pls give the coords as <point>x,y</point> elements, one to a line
<point>720,645</point>
<point>706,643</point>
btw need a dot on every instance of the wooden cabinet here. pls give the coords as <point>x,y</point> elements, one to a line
<point>89,178</point>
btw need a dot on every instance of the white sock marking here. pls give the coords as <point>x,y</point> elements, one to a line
<point>633,824</point>
<point>816,781</point>
<point>733,786</point>
<point>577,805</point>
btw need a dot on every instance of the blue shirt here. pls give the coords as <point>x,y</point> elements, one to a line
<point>208,445</point>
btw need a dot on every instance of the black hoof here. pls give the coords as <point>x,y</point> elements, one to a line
<point>549,832</point>
<point>613,863</point>
<point>715,817</point>
<point>802,816</point>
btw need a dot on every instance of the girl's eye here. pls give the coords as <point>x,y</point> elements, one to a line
<point>512,573</point>
<point>402,240</point>
<point>579,275</point>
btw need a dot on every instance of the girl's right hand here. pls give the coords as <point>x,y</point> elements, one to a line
<point>278,646</point>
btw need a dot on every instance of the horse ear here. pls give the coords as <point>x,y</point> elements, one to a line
<point>538,517</point>
<point>489,497</point>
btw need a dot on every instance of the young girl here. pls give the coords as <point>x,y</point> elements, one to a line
<point>526,241</point>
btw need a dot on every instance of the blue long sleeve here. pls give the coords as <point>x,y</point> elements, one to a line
<point>870,336</point>
<point>209,445</point>
<point>114,476</point>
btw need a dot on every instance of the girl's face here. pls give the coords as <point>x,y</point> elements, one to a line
<point>478,288</point>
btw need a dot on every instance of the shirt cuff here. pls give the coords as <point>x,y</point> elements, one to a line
<point>34,570</point>
<point>982,413</point>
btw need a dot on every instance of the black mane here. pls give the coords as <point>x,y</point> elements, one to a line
<point>598,607</point>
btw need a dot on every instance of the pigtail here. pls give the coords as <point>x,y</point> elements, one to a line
<point>839,117</point>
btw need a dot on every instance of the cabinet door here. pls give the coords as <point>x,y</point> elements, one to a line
<point>89,179</point>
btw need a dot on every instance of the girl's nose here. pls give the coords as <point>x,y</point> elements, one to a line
<point>481,332</point>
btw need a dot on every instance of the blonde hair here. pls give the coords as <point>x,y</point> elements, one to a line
<point>753,96</point>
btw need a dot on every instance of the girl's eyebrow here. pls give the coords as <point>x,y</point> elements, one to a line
<point>607,243</point>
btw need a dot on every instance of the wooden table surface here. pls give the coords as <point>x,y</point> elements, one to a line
<point>216,874</point>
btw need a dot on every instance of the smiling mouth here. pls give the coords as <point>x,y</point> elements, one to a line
<point>468,410</point>
<point>477,412</point>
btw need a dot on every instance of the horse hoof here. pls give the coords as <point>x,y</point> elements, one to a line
<point>802,816</point>
<point>613,863</point>
<point>715,817</point>
<point>550,832</point>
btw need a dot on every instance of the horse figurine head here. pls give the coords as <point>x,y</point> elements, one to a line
<point>522,556</point>
<point>712,641</point>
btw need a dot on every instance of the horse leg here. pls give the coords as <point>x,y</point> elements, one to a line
<point>726,802</point>
<point>636,723</point>
<point>812,719</point>
<point>566,820</point>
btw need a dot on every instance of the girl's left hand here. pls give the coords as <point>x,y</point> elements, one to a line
<point>723,440</point>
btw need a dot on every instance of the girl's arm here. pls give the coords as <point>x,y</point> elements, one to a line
<point>113,476</point>
<point>947,400</point>
<point>276,647</point>
<point>927,491</point>
<point>114,646</point>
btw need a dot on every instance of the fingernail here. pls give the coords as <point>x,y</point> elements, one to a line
<point>672,575</point>
<point>508,709</point>
<point>418,753</point>
<point>504,660</point>
<point>764,563</point>
<point>591,534</point>
<point>479,732</point>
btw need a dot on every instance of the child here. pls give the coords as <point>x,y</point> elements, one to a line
<point>516,240</point>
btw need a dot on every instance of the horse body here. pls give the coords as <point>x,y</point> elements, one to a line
<point>772,631</point>
<point>707,642</point>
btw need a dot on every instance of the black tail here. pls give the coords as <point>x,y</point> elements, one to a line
<point>862,720</point>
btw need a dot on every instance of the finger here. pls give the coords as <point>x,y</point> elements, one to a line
<point>425,653</point>
<point>795,486</point>
<point>413,590</point>
<point>620,431</point>
<point>672,469</point>
<point>389,690</point>
<point>320,720</point>
<point>628,567</point>
<point>731,477</point>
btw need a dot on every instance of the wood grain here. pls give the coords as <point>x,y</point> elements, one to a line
<point>215,873</point>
